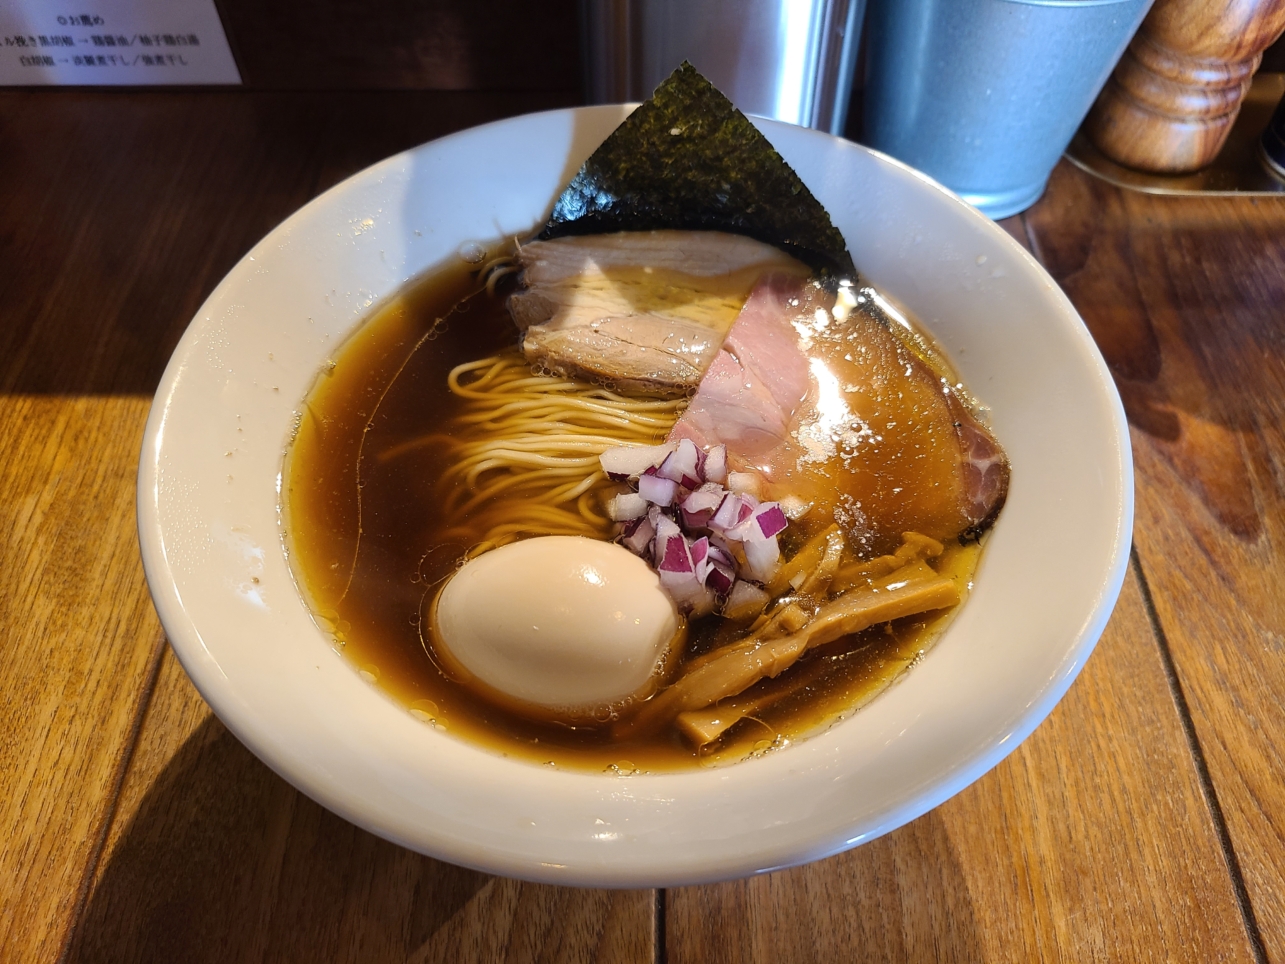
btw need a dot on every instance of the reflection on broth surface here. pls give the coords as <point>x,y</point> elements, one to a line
<point>401,470</point>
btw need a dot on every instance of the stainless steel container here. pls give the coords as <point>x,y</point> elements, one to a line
<point>984,95</point>
<point>791,60</point>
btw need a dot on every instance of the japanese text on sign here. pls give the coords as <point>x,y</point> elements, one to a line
<point>126,42</point>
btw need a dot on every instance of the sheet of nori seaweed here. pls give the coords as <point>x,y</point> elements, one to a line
<point>687,158</point>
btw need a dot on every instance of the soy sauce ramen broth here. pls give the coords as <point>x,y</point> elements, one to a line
<point>363,539</point>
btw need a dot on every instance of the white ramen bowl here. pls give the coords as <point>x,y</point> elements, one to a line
<point>212,549</point>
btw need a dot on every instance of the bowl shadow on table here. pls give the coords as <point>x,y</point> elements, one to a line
<point>224,861</point>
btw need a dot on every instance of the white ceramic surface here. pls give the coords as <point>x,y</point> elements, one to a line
<point>209,531</point>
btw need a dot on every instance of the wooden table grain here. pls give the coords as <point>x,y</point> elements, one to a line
<point>1145,820</point>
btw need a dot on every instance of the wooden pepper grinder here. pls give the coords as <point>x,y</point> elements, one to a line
<point>1172,99</point>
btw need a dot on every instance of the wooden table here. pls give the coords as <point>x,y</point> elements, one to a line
<point>1145,820</point>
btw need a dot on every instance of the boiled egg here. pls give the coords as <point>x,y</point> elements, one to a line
<point>556,622</point>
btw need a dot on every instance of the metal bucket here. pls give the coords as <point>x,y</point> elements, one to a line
<point>985,95</point>
<point>791,60</point>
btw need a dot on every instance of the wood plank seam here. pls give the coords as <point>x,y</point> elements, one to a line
<point>118,782</point>
<point>1248,916</point>
<point>1205,779</point>
<point>659,942</point>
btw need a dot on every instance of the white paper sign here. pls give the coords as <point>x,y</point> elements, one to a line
<point>114,42</point>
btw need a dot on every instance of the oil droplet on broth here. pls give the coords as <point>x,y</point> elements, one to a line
<point>426,711</point>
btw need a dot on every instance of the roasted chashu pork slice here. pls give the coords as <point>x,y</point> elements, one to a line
<point>829,406</point>
<point>641,310</point>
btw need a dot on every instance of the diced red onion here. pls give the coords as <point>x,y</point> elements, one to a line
<point>674,557</point>
<point>761,559</point>
<point>714,566</point>
<point>757,524</point>
<point>720,578</point>
<point>626,506</point>
<point>745,599</point>
<point>692,521</point>
<point>715,467</point>
<point>702,570</point>
<point>699,507</point>
<point>707,543</point>
<point>728,513</point>
<point>657,490</point>
<point>681,465</point>
<point>699,550</point>
<point>630,461</point>
<point>688,594</point>
<point>708,496</point>
<point>668,469</point>
<point>683,587</point>
<point>698,601</point>
<point>770,519</point>
<point>678,576</point>
<point>692,459</point>
<point>638,535</point>
<point>672,552</point>
<point>720,556</point>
